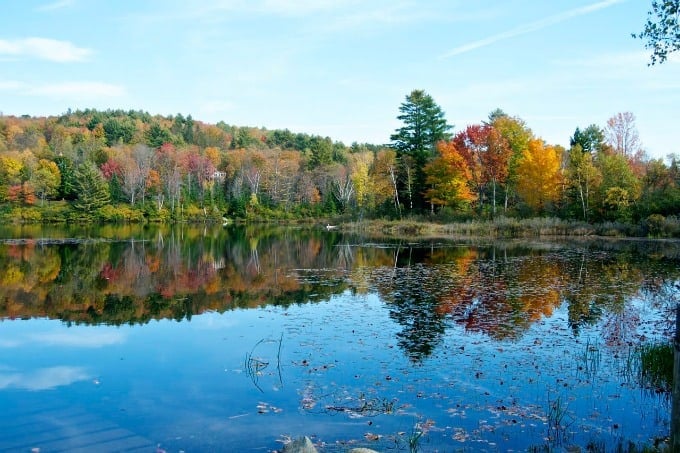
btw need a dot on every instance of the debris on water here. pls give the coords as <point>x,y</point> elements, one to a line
<point>372,437</point>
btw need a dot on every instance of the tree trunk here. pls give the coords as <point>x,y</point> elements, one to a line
<point>494,199</point>
<point>583,201</point>
<point>396,191</point>
<point>507,195</point>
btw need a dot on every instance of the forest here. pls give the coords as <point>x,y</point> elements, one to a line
<point>131,166</point>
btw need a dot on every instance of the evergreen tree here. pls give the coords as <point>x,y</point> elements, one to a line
<point>414,142</point>
<point>93,191</point>
<point>157,135</point>
<point>67,188</point>
<point>590,139</point>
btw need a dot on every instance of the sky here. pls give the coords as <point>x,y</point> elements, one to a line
<point>342,68</point>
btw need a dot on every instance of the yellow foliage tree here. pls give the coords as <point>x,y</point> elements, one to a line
<point>212,153</point>
<point>10,173</point>
<point>539,175</point>
<point>383,174</point>
<point>363,184</point>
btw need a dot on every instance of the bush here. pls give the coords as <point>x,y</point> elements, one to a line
<point>193,213</point>
<point>25,215</point>
<point>57,212</point>
<point>120,213</point>
<point>658,226</point>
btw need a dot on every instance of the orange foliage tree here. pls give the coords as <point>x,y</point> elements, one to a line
<point>448,176</point>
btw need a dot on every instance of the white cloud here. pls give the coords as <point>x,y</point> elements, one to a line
<point>11,85</point>
<point>531,27</point>
<point>43,379</point>
<point>75,90</point>
<point>78,89</point>
<point>59,4</point>
<point>82,89</point>
<point>280,7</point>
<point>619,60</point>
<point>215,106</point>
<point>44,49</point>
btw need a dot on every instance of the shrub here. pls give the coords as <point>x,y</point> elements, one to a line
<point>120,213</point>
<point>25,215</point>
<point>55,213</point>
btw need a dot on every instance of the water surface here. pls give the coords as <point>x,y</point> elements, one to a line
<point>241,338</point>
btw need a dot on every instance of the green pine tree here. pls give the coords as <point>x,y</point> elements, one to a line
<point>93,191</point>
<point>415,142</point>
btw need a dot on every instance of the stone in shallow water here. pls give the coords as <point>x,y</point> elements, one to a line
<point>362,450</point>
<point>300,445</point>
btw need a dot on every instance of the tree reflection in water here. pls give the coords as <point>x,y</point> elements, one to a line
<point>133,276</point>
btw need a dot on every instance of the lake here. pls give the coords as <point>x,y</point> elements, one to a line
<point>240,338</point>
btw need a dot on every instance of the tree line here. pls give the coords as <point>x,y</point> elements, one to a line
<point>119,165</point>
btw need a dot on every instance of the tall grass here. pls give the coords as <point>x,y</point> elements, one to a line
<point>656,366</point>
<point>502,227</point>
<point>510,227</point>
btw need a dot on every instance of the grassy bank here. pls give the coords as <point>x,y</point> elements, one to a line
<point>503,227</point>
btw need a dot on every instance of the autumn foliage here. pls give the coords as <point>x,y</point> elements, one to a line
<point>156,169</point>
<point>448,176</point>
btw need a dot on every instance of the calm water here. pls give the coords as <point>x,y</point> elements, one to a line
<point>199,339</point>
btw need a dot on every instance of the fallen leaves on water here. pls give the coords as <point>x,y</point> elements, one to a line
<point>372,436</point>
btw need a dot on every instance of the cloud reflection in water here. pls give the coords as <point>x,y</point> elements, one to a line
<point>43,378</point>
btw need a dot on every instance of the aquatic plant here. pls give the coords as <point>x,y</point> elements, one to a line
<point>558,420</point>
<point>255,366</point>
<point>590,359</point>
<point>414,439</point>
<point>656,366</point>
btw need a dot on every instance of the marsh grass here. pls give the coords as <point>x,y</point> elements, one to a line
<point>590,359</point>
<point>501,227</point>
<point>414,439</point>
<point>509,227</point>
<point>656,367</point>
<point>624,446</point>
<point>558,420</point>
<point>630,366</point>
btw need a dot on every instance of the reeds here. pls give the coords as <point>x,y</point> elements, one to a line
<point>656,367</point>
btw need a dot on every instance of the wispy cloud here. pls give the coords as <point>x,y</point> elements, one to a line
<point>619,60</point>
<point>11,85</point>
<point>59,4</point>
<point>531,27</point>
<point>80,90</point>
<point>280,7</point>
<point>214,106</point>
<point>44,49</point>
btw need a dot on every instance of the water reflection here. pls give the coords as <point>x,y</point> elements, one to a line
<point>130,276</point>
<point>464,341</point>
<point>43,378</point>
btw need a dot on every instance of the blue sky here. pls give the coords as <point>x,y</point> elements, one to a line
<point>341,68</point>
